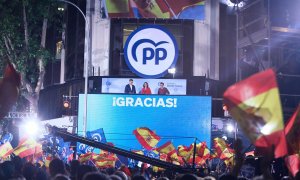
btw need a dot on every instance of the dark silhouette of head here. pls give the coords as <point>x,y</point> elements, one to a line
<point>189,177</point>
<point>138,177</point>
<point>7,169</point>
<point>84,169</point>
<point>29,171</point>
<point>56,166</point>
<point>95,176</point>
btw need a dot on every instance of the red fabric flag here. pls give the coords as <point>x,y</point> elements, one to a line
<point>202,150</point>
<point>146,137</point>
<point>185,152</point>
<point>220,146</point>
<point>85,157</point>
<point>106,162</point>
<point>9,89</point>
<point>255,104</point>
<point>169,149</point>
<point>198,160</point>
<point>293,163</point>
<point>292,132</point>
<point>27,147</point>
<point>227,154</point>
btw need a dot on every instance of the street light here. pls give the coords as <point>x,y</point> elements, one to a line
<point>172,71</point>
<point>86,60</point>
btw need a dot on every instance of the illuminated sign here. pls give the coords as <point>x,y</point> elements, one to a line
<point>179,119</point>
<point>150,51</point>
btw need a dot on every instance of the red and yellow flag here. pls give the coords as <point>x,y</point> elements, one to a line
<point>146,137</point>
<point>199,161</point>
<point>48,159</point>
<point>5,150</point>
<point>107,162</point>
<point>168,148</point>
<point>85,157</point>
<point>202,150</point>
<point>255,104</point>
<point>227,154</point>
<point>185,152</point>
<point>27,147</point>
<point>292,132</point>
<point>220,145</point>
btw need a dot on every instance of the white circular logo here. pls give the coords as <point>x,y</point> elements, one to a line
<point>150,51</point>
<point>96,137</point>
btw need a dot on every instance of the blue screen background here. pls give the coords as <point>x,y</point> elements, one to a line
<point>191,118</point>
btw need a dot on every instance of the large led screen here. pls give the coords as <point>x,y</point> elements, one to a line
<point>179,119</point>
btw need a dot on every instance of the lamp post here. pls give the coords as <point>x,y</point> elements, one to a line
<point>86,62</point>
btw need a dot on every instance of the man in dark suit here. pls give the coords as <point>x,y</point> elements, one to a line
<point>130,88</point>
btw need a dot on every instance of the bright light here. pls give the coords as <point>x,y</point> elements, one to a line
<point>266,130</point>
<point>224,137</point>
<point>60,8</point>
<point>30,128</point>
<point>230,128</point>
<point>230,4</point>
<point>172,70</point>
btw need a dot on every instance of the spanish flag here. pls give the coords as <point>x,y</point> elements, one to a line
<point>85,157</point>
<point>27,147</point>
<point>292,133</point>
<point>220,145</point>
<point>107,162</point>
<point>5,150</point>
<point>199,161</point>
<point>202,150</point>
<point>255,104</point>
<point>168,148</point>
<point>227,154</point>
<point>146,137</point>
<point>185,152</point>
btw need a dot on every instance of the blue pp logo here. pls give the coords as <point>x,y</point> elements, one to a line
<point>150,51</point>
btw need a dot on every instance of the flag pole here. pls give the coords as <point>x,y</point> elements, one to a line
<point>194,154</point>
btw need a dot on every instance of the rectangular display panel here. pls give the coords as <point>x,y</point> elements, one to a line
<point>179,119</point>
<point>117,85</point>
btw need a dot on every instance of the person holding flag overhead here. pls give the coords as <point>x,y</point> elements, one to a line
<point>255,104</point>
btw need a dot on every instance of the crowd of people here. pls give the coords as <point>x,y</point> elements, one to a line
<point>251,168</point>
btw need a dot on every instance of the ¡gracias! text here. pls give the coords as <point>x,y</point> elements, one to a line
<point>144,102</point>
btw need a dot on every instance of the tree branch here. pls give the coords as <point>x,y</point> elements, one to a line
<point>26,84</point>
<point>8,51</point>
<point>6,45</point>
<point>40,60</point>
<point>13,53</point>
<point>26,36</point>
